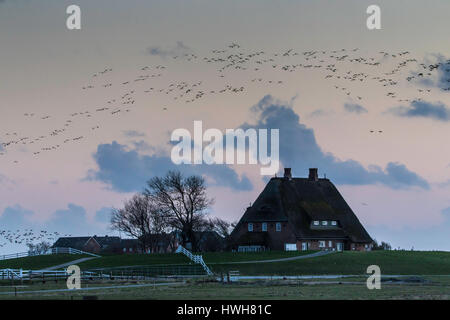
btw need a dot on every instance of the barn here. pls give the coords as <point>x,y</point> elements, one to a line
<point>299,214</point>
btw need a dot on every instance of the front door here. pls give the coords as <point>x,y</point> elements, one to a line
<point>339,246</point>
<point>304,246</point>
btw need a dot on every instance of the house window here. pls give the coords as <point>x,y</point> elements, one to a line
<point>278,226</point>
<point>324,223</point>
<point>333,223</point>
<point>321,244</point>
<point>316,223</point>
<point>290,247</point>
<point>250,227</point>
<point>264,226</point>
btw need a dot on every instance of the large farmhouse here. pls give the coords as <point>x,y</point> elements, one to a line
<point>300,214</point>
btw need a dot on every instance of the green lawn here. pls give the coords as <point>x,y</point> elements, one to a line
<point>39,262</point>
<point>220,257</point>
<point>390,262</point>
<point>125,260</point>
<point>111,261</point>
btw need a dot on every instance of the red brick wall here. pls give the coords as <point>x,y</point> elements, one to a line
<point>314,244</point>
<point>276,239</point>
<point>92,246</point>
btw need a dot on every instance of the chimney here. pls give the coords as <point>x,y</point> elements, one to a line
<point>287,173</point>
<point>313,176</point>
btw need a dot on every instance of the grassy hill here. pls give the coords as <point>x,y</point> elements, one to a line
<point>38,262</point>
<point>111,261</point>
<point>390,262</point>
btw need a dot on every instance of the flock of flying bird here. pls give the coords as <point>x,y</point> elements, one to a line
<point>28,236</point>
<point>231,65</point>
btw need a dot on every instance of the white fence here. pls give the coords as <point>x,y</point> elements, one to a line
<point>19,274</point>
<point>195,258</point>
<point>55,275</point>
<point>49,251</point>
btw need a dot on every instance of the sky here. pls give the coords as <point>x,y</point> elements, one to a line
<point>86,115</point>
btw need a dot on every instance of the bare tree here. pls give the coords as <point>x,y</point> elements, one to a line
<point>222,227</point>
<point>38,248</point>
<point>134,219</point>
<point>382,246</point>
<point>182,201</point>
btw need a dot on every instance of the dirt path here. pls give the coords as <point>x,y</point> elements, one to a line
<point>59,266</point>
<point>312,255</point>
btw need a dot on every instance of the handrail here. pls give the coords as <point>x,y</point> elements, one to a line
<point>195,258</point>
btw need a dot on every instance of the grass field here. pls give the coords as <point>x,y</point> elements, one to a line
<point>432,267</point>
<point>39,262</point>
<point>354,289</point>
<point>221,257</point>
<point>111,261</point>
<point>390,262</point>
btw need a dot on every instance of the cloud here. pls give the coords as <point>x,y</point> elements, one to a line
<point>317,113</point>
<point>435,72</point>
<point>355,108</point>
<point>299,150</point>
<point>178,50</point>
<point>15,217</point>
<point>133,134</point>
<point>398,175</point>
<point>422,109</point>
<point>72,219</point>
<point>127,170</point>
<point>103,215</point>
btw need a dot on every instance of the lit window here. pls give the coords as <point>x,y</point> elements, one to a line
<point>324,223</point>
<point>333,223</point>
<point>264,226</point>
<point>250,227</point>
<point>278,226</point>
<point>321,244</point>
<point>316,223</point>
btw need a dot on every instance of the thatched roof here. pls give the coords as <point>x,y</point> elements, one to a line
<point>300,201</point>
